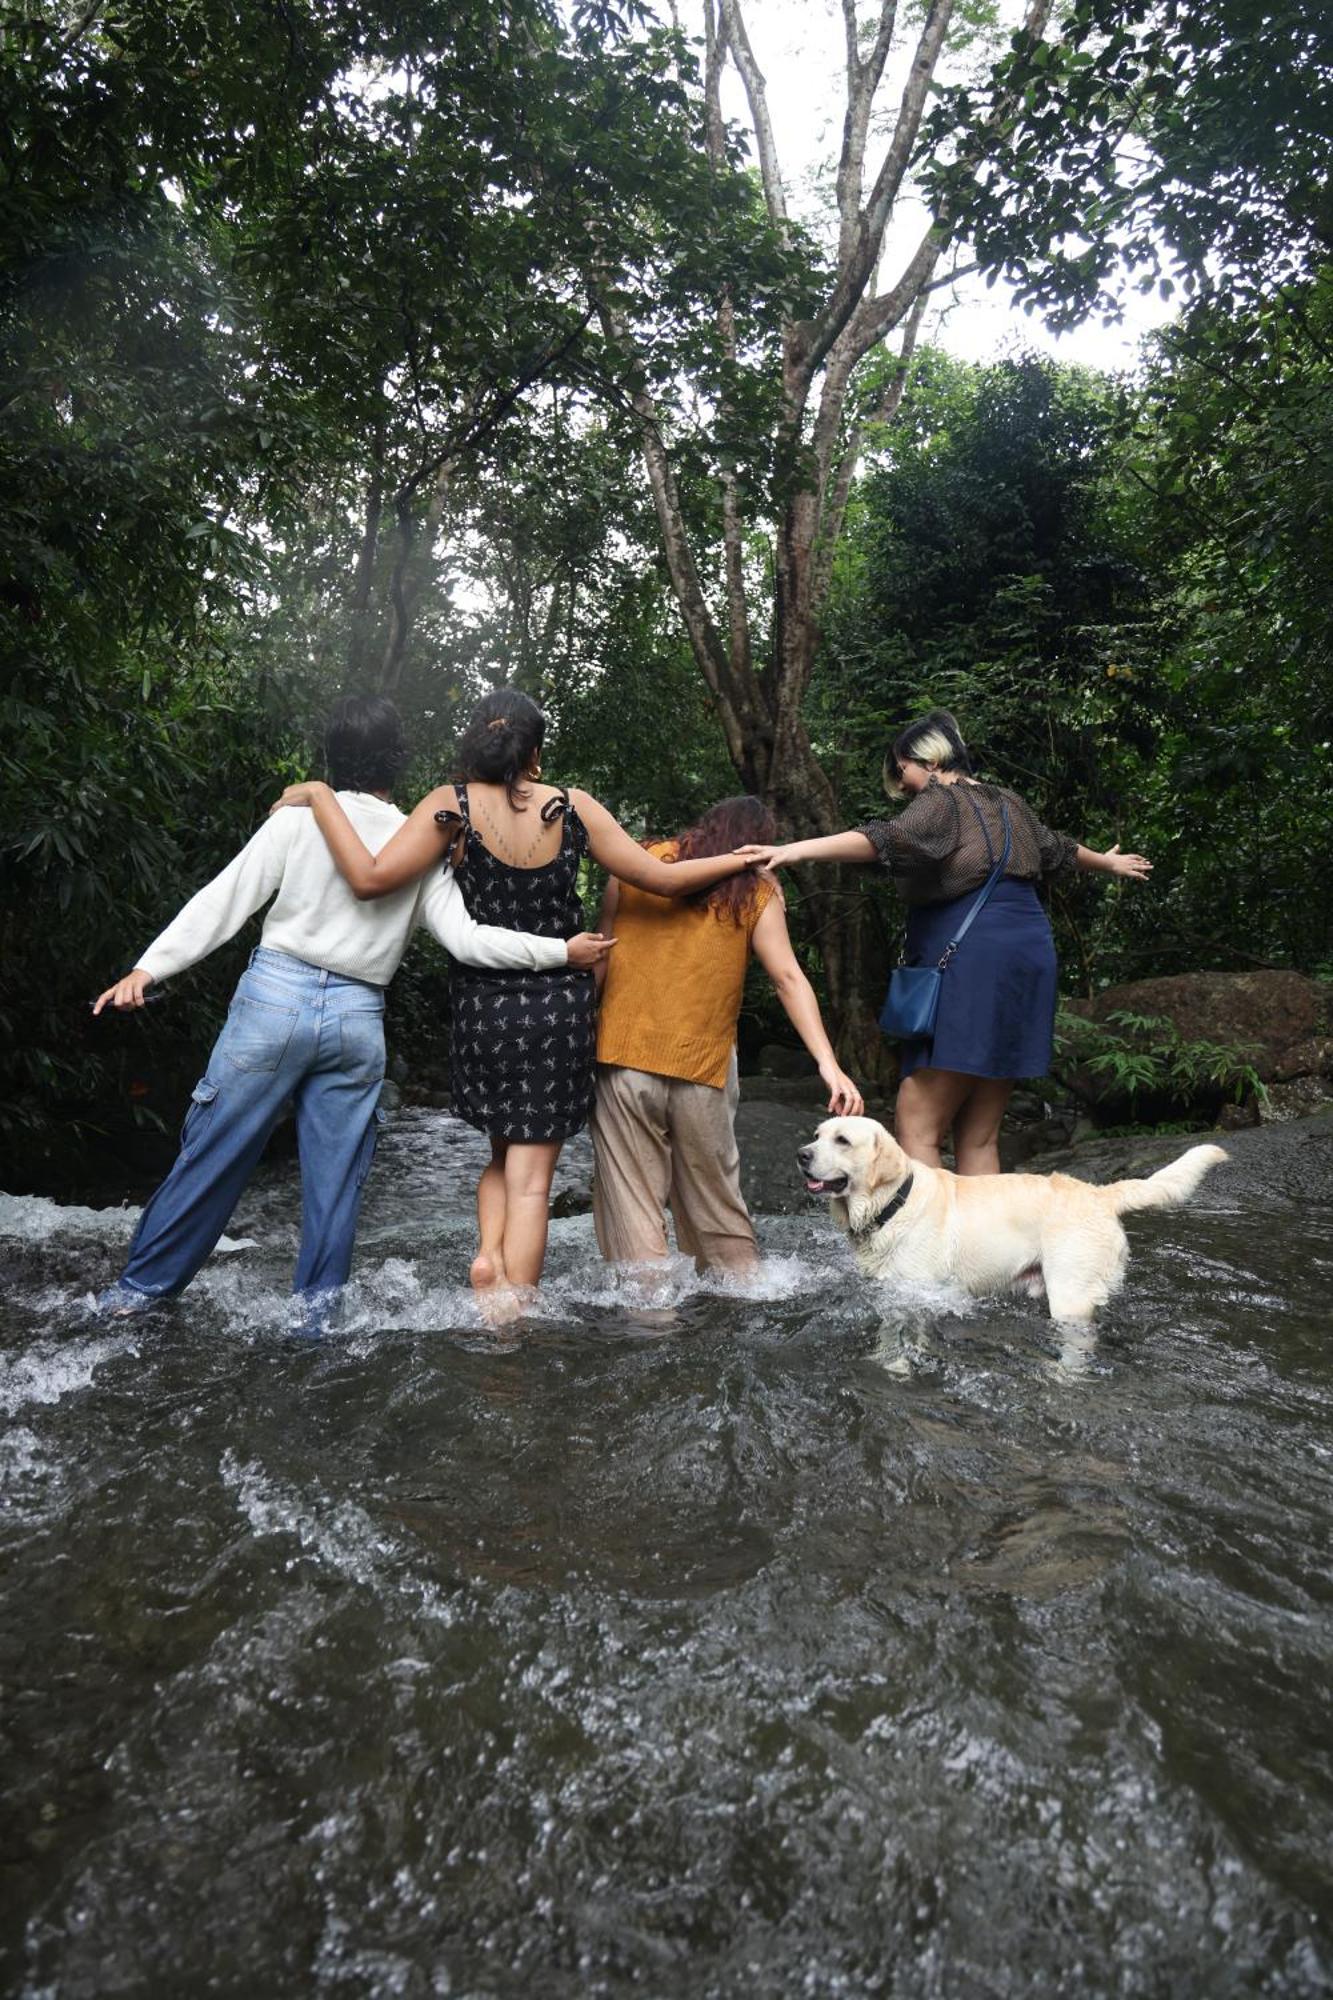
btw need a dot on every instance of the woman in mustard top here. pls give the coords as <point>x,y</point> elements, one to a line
<point>663,1122</point>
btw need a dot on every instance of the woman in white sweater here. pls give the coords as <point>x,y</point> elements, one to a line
<point>306,1021</point>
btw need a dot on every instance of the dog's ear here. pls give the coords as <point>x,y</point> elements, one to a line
<point>888,1162</point>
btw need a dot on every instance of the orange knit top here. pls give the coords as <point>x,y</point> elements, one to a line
<point>674,983</point>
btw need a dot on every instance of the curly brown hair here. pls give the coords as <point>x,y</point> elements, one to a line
<point>738,822</point>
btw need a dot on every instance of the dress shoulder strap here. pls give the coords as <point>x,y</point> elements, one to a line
<point>455,826</point>
<point>575,839</point>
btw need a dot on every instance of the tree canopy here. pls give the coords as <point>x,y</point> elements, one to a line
<point>427,346</point>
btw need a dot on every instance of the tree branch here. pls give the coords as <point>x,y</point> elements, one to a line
<point>883,412</point>
<point>877,317</point>
<point>756,96</point>
<point>79,29</point>
<point>733,533</point>
<point>863,80</point>
<point>737,715</point>
<point>867,238</point>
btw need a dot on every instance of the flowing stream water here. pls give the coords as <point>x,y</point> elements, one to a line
<point>679,1646</point>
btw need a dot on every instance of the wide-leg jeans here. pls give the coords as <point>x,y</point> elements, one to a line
<point>294,1032</point>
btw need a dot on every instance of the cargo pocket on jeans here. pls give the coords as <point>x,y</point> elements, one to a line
<point>369,1144</point>
<point>199,1114</point>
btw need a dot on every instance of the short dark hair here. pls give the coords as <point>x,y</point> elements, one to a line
<point>364,746</point>
<point>504,732</point>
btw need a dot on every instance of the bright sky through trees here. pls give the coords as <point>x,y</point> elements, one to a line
<point>799,47</point>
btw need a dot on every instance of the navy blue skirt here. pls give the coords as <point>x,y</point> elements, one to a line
<point>997,1000</point>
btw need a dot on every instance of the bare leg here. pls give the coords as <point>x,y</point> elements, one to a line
<point>928,1103</point>
<point>488,1266</point>
<point>528,1173</point>
<point>976,1126</point>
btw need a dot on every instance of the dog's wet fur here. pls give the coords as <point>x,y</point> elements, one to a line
<point>989,1232</point>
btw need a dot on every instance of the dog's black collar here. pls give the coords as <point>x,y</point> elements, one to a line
<point>889,1210</point>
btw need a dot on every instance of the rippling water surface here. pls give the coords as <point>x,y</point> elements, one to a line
<point>772,1641</point>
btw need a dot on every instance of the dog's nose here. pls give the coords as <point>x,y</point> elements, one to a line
<point>803,1157</point>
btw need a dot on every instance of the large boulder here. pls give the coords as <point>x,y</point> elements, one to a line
<point>1278,1022</point>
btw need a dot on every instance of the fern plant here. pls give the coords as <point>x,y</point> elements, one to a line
<point>1142,1056</point>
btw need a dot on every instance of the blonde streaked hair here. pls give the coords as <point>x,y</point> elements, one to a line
<point>934,739</point>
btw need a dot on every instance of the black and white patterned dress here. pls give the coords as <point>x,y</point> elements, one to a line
<point>522,1044</point>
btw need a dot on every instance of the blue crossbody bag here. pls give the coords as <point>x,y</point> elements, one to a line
<point>913,999</point>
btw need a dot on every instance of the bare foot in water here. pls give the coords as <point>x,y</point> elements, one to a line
<point>485,1271</point>
<point>497,1301</point>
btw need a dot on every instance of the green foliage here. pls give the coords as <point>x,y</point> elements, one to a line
<point>279,294</point>
<point>1187,147</point>
<point>1137,1057</point>
<point>1122,598</point>
<point>302,389</point>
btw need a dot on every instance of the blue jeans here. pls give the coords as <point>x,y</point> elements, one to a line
<point>292,1032</point>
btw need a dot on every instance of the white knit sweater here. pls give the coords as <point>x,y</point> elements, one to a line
<point>315,916</point>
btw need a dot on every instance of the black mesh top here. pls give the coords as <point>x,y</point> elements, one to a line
<point>947,839</point>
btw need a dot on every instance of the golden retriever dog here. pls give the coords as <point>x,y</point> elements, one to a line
<point>988,1232</point>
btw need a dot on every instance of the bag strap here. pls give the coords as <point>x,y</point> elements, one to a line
<point>992,879</point>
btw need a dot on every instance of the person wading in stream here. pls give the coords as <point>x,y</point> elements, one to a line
<point>521,1044</point>
<point>996,1009</point>
<point>306,1022</point>
<point>664,1126</point>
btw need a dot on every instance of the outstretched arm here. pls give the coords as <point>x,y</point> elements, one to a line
<point>212,916</point>
<point>612,846</point>
<point>772,947</point>
<point>850,846</point>
<point>1136,866</point>
<point>418,844</point>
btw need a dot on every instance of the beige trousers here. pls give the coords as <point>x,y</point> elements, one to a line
<point>661,1142</point>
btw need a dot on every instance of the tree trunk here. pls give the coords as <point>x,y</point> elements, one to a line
<point>817,444</point>
<point>362,619</point>
<point>416,543</point>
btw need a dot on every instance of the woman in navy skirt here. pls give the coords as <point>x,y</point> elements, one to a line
<point>997,999</point>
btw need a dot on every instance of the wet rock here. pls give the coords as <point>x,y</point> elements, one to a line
<point>571,1201</point>
<point>1237,1117</point>
<point>1275,1018</point>
<point>769,1134</point>
<point>777,1059</point>
<point>807,1090</point>
<point>1299,1098</point>
<point>1027,1141</point>
<point>1310,1057</point>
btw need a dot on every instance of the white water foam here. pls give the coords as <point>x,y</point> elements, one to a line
<point>34,1218</point>
<point>338,1534</point>
<point>26,1473</point>
<point>50,1370</point>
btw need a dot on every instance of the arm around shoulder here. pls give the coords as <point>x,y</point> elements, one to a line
<point>446,917</point>
<point>622,856</point>
<point>417,844</point>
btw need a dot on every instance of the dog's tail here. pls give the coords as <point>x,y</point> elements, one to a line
<point>1169,1186</point>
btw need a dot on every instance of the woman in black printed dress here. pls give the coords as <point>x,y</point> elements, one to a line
<point>522,1048</point>
<point>521,1044</point>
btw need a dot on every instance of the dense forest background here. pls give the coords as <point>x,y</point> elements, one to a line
<point>424,347</point>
